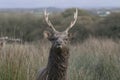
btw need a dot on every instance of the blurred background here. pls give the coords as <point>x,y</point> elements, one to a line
<point>24,19</point>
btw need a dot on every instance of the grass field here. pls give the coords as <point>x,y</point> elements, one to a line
<point>94,59</point>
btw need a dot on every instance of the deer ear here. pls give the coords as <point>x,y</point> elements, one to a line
<point>46,34</point>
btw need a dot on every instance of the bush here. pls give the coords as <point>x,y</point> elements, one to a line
<point>109,27</point>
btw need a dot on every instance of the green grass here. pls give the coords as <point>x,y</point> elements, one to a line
<point>91,60</point>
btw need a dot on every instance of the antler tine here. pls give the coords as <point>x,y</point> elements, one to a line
<point>48,21</point>
<point>73,22</point>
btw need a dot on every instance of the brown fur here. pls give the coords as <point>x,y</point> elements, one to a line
<point>57,65</point>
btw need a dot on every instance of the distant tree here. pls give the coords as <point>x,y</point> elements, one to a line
<point>30,26</point>
<point>69,12</point>
<point>109,27</point>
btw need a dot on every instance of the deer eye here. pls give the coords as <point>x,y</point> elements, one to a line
<point>66,39</point>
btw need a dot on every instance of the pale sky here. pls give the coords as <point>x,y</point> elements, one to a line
<point>58,3</point>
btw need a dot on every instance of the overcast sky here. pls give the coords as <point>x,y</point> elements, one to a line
<point>58,3</point>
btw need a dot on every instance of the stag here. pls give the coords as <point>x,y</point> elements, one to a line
<point>56,68</point>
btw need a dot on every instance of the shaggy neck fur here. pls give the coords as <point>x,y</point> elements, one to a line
<point>58,63</point>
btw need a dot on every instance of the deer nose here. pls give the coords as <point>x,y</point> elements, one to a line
<point>59,42</point>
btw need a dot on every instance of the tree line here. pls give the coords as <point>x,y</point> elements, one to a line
<point>30,26</point>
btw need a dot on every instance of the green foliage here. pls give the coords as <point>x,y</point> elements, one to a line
<point>69,12</point>
<point>21,25</point>
<point>109,27</point>
<point>30,26</point>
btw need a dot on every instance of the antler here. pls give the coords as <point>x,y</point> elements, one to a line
<point>48,21</point>
<point>73,22</point>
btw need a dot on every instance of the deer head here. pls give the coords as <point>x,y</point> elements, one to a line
<point>59,39</point>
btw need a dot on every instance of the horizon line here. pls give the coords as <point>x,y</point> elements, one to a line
<point>85,7</point>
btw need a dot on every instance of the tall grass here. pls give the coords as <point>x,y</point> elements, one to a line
<point>92,60</point>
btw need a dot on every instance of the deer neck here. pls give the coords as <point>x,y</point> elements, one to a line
<point>58,64</point>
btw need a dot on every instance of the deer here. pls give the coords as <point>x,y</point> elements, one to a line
<point>58,59</point>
